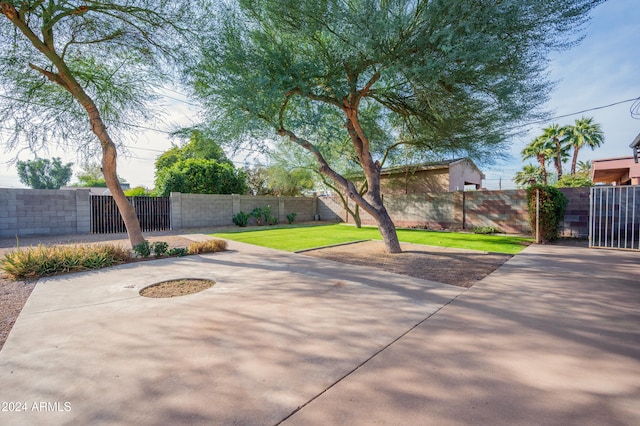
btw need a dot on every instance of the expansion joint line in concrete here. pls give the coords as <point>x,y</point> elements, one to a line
<point>366,361</point>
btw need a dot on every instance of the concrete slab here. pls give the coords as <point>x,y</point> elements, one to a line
<point>550,338</point>
<point>276,330</point>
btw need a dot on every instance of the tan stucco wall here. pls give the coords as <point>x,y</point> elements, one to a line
<point>419,182</point>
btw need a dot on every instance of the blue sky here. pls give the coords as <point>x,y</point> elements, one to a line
<point>602,70</point>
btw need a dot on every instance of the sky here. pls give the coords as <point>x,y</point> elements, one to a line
<point>601,71</point>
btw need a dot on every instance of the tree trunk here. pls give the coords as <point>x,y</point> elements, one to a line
<point>542,162</point>
<point>127,211</point>
<point>65,78</point>
<point>574,160</point>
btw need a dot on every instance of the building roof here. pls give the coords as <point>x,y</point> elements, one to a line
<point>433,165</point>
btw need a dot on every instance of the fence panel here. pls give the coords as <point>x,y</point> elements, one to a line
<point>154,214</point>
<point>614,217</point>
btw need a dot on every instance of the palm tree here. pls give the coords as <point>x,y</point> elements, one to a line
<point>529,174</point>
<point>557,136</point>
<point>584,167</point>
<point>583,133</point>
<point>541,150</point>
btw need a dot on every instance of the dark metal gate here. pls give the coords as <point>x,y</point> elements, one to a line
<point>614,217</point>
<point>154,214</point>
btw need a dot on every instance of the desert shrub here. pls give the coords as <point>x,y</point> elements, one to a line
<point>486,230</point>
<point>209,246</point>
<point>159,248</point>
<point>291,217</point>
<point>552,205</point>
<point>39,261</point>
<point>241,219</point>
<point>178,251</point>
<point>143,249</point>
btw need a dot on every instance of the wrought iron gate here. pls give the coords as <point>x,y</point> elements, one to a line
<point>154,214</point>
<point>614,217</point>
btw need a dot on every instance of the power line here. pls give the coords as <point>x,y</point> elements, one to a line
<point>581,112</point>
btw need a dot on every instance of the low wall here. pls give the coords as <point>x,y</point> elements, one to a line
<point>52,212</point>
<point>202,210</point>
<point>43,212</point>
<point>506,210</point>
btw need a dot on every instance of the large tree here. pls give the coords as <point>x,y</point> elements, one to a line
<point>198,166</point>
<point>76,71</point>
<point>450,74</point>
<point>43,173</point>
<point>555,136</point>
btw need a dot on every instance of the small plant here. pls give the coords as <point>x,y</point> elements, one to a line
<point>35,262</point>
<point>272,220</point>
<point>241,219</point>
<point>257,215</point>
<point>291,217</point>
<point>486,230</point>
<point>159,248</point>
<point>143,249</point>
<point>178,251</point>
<point>209,246</point>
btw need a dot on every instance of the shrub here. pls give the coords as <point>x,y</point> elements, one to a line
<point>257,215</point>
<point>552,205</point>
<point>159,248</point>
<point>272,220</point>
<point>291,217</point>
<point>209,246</point>
<point>486,230</point>
<point>143,249</point>
<point>35,262</point>
<point>241,219</point>
<point>178,251</point>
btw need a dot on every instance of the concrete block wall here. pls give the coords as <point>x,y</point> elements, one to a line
<point>43,212</point>
<point>330,209</point>
<point>506,210</point>
<point>576,215</point>
<point>203,210</point>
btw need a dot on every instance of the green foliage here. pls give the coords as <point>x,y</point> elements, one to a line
<point>117,51</point>
<point>241,219</point>
<point>143,249</point>
<point>90,176</point>
<point>35,262</point>
<point>42,173</point>
<point>291,217</point>
<point>208,246</point>
<point>552,204</point>
<point>486,230</point>
<point>178,251</point>
<point>573,181</point>
<point>263,216</point>
<point>201,176</point>
<point>139,191</point>
<point>159,248</point>
<point>529,174</point>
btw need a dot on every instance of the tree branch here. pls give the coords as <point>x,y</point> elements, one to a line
<point>55,78</point>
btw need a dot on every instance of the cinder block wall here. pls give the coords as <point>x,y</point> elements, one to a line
<point>202,210</point>
<point>506,210</point>
<point>43,212</point>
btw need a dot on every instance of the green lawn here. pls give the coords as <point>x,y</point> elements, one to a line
<point>294,238</point>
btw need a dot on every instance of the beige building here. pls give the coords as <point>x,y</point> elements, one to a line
<point>616,171</point>
<point>441,176</point>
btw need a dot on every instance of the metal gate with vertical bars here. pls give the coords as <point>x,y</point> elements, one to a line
<point>154,214</point>
<point>614,217</point>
